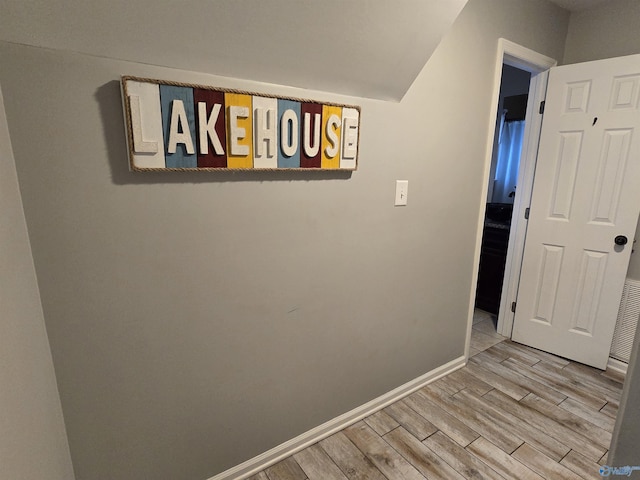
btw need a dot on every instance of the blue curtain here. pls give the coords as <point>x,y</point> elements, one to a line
<point>509,148</point>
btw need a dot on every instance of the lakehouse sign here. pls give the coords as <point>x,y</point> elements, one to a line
<point>176,126</point>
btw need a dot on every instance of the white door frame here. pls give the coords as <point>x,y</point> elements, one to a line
<point>537,64</point>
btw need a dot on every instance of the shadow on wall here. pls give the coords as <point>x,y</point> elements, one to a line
<point>110,103</point>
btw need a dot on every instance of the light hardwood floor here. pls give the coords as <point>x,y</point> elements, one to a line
<point>512,413</point>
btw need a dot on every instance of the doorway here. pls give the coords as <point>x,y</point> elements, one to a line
<point>501,191</point>
<point>537,66</point>
<point>497,210</point>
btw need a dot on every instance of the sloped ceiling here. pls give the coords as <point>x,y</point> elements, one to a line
<point>369,48</point>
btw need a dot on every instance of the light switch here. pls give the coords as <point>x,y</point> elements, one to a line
<point>402,187</point>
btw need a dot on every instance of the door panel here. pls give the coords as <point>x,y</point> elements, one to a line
<point>585,194</point>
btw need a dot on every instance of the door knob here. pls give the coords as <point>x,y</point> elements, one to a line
<point>621,240</point>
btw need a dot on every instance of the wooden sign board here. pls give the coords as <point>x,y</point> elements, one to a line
<point>177,126</point>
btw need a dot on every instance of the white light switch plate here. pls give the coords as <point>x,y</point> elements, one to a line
<point>402,187</point>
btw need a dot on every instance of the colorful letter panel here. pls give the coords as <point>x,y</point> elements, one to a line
<point>239,130</point>
<point>215,142</point>
<point>350,128</point>
<point>289,125</point>
<point>311,136</point>
<point>331,128</point>
<point>265,132</point>
<point>179,126</point>
<point>146,121</point>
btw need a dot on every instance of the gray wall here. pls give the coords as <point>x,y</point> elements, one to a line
<point>634,261</point>
<point>612,31</point>
<point>33,443</point>
<point>514,82</point>
<point>197,320</point>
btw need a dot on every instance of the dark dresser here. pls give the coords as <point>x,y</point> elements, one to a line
<point>493,256</point>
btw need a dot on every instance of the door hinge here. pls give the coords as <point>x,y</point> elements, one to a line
<point>513,307</point>
<point>541,110</point>
<point>526,213</point>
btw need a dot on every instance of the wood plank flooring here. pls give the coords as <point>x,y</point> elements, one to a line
<point>512,413</point>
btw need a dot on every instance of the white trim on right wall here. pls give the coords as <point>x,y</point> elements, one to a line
<point>617,366</point>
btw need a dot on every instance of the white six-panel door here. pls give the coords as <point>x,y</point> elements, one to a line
<point>586,193</point>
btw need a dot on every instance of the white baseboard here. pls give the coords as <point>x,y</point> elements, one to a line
<point>259,463</point>
<point>617,365</point>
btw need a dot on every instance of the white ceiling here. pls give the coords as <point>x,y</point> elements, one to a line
<point>578,5</point>
<point>370,48</point>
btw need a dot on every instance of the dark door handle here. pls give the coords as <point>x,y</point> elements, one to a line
<point>621,240</point>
